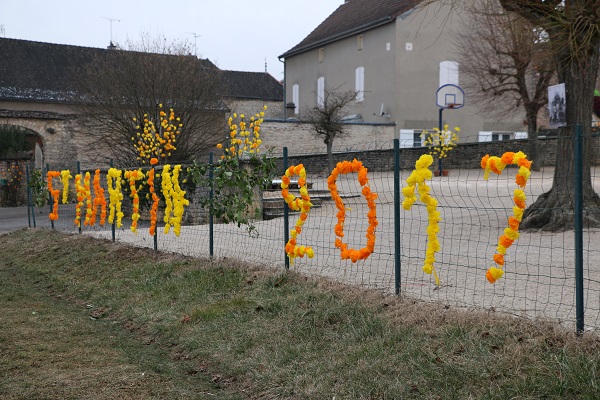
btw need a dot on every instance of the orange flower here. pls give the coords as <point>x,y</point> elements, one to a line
<point>153,161</point>
<point>484,160</point>
<point>505,241</point>
<point>507,158</point>
<point>499,259</point>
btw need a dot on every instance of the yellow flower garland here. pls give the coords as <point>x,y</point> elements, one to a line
<point>417,180</point>
<point>54,193</point>
<point>99,200</point>
<point>174,198</point>
<point>511,233</point>
<point>133,177</point>
<point>116,196</point>
<point>65,175</point>
<point>302,204</point>
<point>155,201</point>
<point>80,190</point>
<point>344,168</point>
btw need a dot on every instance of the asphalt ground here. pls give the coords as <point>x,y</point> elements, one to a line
<point>15,218</point>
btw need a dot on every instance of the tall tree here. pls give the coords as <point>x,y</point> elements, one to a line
<point>120,85</point>
<point>573,28</point>
<point>327,118</point>
<point>507,64</point>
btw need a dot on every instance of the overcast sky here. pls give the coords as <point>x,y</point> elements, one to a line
<point>234,34</point>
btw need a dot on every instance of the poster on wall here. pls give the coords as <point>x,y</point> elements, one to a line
<point>557,105</point>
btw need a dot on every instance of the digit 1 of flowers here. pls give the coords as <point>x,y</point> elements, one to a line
<point>416,180</point>
<point>88,200</point>
<point>65,175</point>
<point>155,200</point>
<point>301,204</point>
<point>99,199</point>
<point>80,190</point>
<point>345,167</point>
<point>511,233</point>
<point>54,193</point>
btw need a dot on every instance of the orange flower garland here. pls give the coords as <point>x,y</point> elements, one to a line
<point>88,200</point>
<point>80,197</point>
<point>99,200</point>
<point>344,168</point>
<point>302,204</point>
<point>54,193</point>
<point>134,176</point>
<point>511,233</point>
<point>155,200</point>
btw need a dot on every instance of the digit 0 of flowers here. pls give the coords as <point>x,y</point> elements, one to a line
<point>416,180</point>
<point>115,195</point>
<point>133,177</point>
<point>301,204</point>
<point>89,217</point>
<point>174,198</point>
<point>155,200</point>
<point>65,175</point>
<point>346,167</point>
<point>511,233</point>
<point>54,193</point>
<point>99,200</point>
<point>80,190</point>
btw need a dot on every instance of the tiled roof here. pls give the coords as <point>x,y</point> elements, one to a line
<point>36,71</point>
<point>252,85</point>
<point>352,17</point>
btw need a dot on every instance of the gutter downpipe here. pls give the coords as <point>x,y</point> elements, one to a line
<point>284,86</point>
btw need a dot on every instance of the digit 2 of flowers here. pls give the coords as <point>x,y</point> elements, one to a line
<point>346,167</point>
<point>511,233</point>
<point>416,180</point>
<point>301,204</point>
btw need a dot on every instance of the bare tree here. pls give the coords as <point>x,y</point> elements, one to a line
<point>122,84</point>
<point>327,118</point>
<point>507,65</point>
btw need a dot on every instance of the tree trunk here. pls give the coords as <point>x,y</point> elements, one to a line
<point>553,210</point>
<point>330,155</point>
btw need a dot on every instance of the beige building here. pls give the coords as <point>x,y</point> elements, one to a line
<point>395,54</point>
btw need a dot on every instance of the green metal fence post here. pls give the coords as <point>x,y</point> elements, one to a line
<point>30,211</point>
<point>286,214</point>
<point>397,246</point>
<point>578,220</point>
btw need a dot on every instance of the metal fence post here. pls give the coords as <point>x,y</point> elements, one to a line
<point>286,214</point>
<point>397,245</point>
<point>578,220</point>
<point>211,232</point>
<point>29,206</point>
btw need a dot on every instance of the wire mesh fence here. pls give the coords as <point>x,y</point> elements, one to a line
<point>540,267</point>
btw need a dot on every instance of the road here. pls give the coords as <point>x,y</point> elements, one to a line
<point>14,218</point>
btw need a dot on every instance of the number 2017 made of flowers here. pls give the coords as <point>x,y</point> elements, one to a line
<point>303,205</point>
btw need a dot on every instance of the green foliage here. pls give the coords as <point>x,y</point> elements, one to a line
<point>234,184</point>
<point>12,140</point>
<point>39,191</point>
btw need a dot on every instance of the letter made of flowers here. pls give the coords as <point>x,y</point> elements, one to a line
<point>55,193</point>
<point>133,177</point>
<point>416,180</point>
<point>116,196</point>
<point>511,233</point>
<point>174,198</point>
<point>346,167</point>
<point>301,204</point>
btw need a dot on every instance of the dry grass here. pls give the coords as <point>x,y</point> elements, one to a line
<point>224,328</point>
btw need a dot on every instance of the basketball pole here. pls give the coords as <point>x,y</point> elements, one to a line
<point>440,128</point>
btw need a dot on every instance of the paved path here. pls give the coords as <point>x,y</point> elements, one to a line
<point>14,218</point>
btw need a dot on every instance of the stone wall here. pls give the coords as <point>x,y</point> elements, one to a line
<point>467,155</point>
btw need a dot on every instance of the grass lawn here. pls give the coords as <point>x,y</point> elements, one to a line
<point>87,318</point>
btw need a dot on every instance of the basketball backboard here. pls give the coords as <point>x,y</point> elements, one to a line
<point>450,96</point>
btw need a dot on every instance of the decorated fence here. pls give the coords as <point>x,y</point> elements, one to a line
<point>451,239</point>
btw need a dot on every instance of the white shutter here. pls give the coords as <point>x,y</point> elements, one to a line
<point>321,92</point>
<point>360,84</point>
<point>448,73</point>
<point>296,98</point>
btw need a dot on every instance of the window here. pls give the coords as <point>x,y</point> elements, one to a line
<point>321,92</point>
<point>448,73</point>
<point>360,84</point>
<point>359,42</point>
<point>296,98</point>
<point>417,139</point>
<point>321,55</point>
<point>498,136</point>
